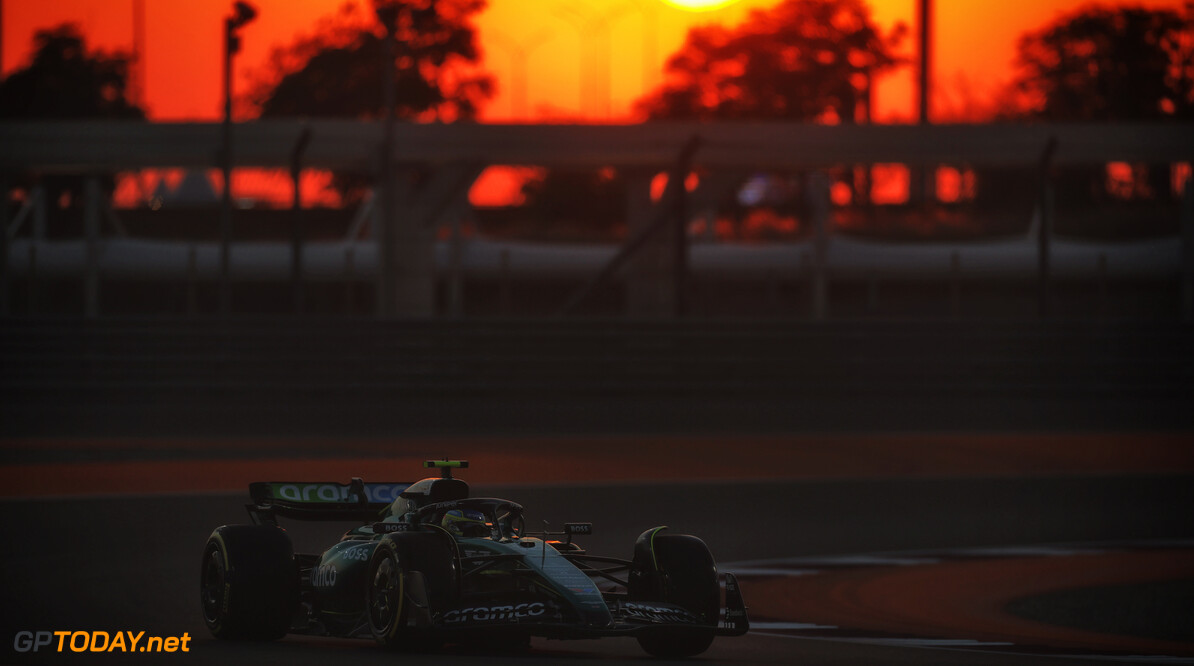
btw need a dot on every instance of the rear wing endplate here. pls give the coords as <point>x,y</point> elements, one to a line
<point>321,500</point>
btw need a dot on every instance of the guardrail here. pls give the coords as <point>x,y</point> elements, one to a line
<point>457,150</point>
<point>81,146</point>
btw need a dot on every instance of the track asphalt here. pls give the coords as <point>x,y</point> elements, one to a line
<point>837,494</point>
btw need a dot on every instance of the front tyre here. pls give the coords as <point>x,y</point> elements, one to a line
<point>249,583</point>
<point>385,598</point>
<point>395,600</point>
<point>685,575</point>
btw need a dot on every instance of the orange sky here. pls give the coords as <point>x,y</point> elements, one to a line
<point>562,41</point>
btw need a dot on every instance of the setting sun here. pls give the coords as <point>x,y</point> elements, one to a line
<point>700,5</point>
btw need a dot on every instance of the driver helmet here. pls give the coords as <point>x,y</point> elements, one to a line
<point>466,523</point>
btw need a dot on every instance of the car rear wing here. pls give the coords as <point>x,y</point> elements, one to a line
<point>321,500</point>
<point>736,622</point>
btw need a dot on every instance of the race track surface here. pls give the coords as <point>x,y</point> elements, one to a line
<point>1029,496</point>
<point>932,595</point>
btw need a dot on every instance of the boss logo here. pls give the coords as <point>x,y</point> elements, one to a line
<point>578,528</point>
<point>355,554</point>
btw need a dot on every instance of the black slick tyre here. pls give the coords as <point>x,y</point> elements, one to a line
<point>249,584</point>
<point>686,577</point>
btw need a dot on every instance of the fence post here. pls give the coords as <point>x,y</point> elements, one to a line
<point>296,229</point>
<point>4,245</point>
<point>31,277</point>
<point>455,271</point>
<point>955,284</point>
<point>1102,272</point>
<point>1045,231</point>
<point>680,239</point>
<point>504,283</point>
<point>192,281</point>
<point>349,280</point>
<point>37,235</point>
<point>40,213</point>
<point>1188,248</point>
<point>872,291</point>
<point>817,199</point>
<point>91,230</point>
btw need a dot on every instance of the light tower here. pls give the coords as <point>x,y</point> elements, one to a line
<point>242,14</point>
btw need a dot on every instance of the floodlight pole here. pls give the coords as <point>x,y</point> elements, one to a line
<point>925,19</point>
<point>243,13</point>
<point>138,95</point>
<point>230,46</point>
<point>384,228</point>
<point>4,278</point>
<point>924,186</point>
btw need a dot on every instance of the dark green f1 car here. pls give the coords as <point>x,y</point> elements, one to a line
<point>430,565</point>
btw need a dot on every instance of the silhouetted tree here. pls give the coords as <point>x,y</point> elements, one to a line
<point>64,80</point>
<point>800,60</point>
<point>1100,63</point>
<point>807,60</point>
<point>338,72</point>
<point>1110,64</point>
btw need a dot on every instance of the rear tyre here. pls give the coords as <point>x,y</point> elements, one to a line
<point>249,584</point>
<point>393,606</point>
<point>686,576</point>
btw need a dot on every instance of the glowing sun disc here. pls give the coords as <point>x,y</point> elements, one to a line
<point>699,5</point>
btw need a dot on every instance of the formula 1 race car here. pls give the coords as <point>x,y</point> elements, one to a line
<point>430,565</point>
